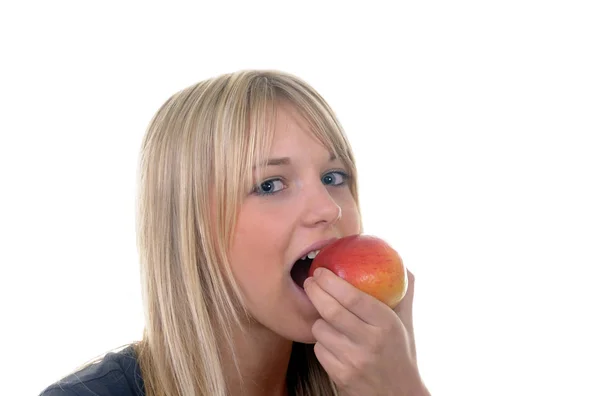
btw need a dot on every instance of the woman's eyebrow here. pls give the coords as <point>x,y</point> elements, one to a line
<point>278,161</point>
<point>287,161</point>
<point>275,162</point>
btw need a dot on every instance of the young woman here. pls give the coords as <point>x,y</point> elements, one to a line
<point>241,176</point>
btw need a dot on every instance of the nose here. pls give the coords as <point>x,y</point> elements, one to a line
<point>321,208</point>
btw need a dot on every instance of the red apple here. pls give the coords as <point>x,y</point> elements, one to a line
<point>369,264</point>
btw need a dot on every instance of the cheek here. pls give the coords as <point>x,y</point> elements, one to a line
<point>350,222</point>
<point>257,250</point>
<point>250,251</point>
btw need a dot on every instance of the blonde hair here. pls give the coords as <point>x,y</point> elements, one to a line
<point>196,166</point>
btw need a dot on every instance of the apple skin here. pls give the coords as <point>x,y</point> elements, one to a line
<point>369,264</point>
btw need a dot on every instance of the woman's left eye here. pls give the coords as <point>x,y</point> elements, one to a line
<point>334,178</point>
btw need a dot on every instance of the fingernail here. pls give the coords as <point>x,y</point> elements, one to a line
<point>318,271</point>
<point>307,281</point>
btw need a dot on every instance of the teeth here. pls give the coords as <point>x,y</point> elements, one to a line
<point>312,254</point>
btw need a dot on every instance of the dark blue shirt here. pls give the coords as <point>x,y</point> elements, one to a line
<point>117,374</point>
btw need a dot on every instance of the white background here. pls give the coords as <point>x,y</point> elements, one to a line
<point>475,125</point>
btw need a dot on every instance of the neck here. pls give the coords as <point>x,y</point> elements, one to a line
<point>263,358</point>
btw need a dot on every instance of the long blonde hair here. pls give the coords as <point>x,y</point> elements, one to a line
<point>196,166</point>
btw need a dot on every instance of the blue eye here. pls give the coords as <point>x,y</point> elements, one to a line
<point>335,178</point>
<point>269,187</point>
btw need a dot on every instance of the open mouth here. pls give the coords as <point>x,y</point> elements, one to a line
<point>300,269</point>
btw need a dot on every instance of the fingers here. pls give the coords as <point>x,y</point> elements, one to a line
<point>337,343</point>
<point>328,360</point>
<point>358,337</point>
<point>365,307</point>
<point>333,312</point>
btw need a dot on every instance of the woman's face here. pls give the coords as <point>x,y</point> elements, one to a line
<point>296,204</point>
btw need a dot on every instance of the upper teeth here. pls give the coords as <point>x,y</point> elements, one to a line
<point>311,255</point>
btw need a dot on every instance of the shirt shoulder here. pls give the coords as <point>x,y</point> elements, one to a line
<point>118,373</point>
